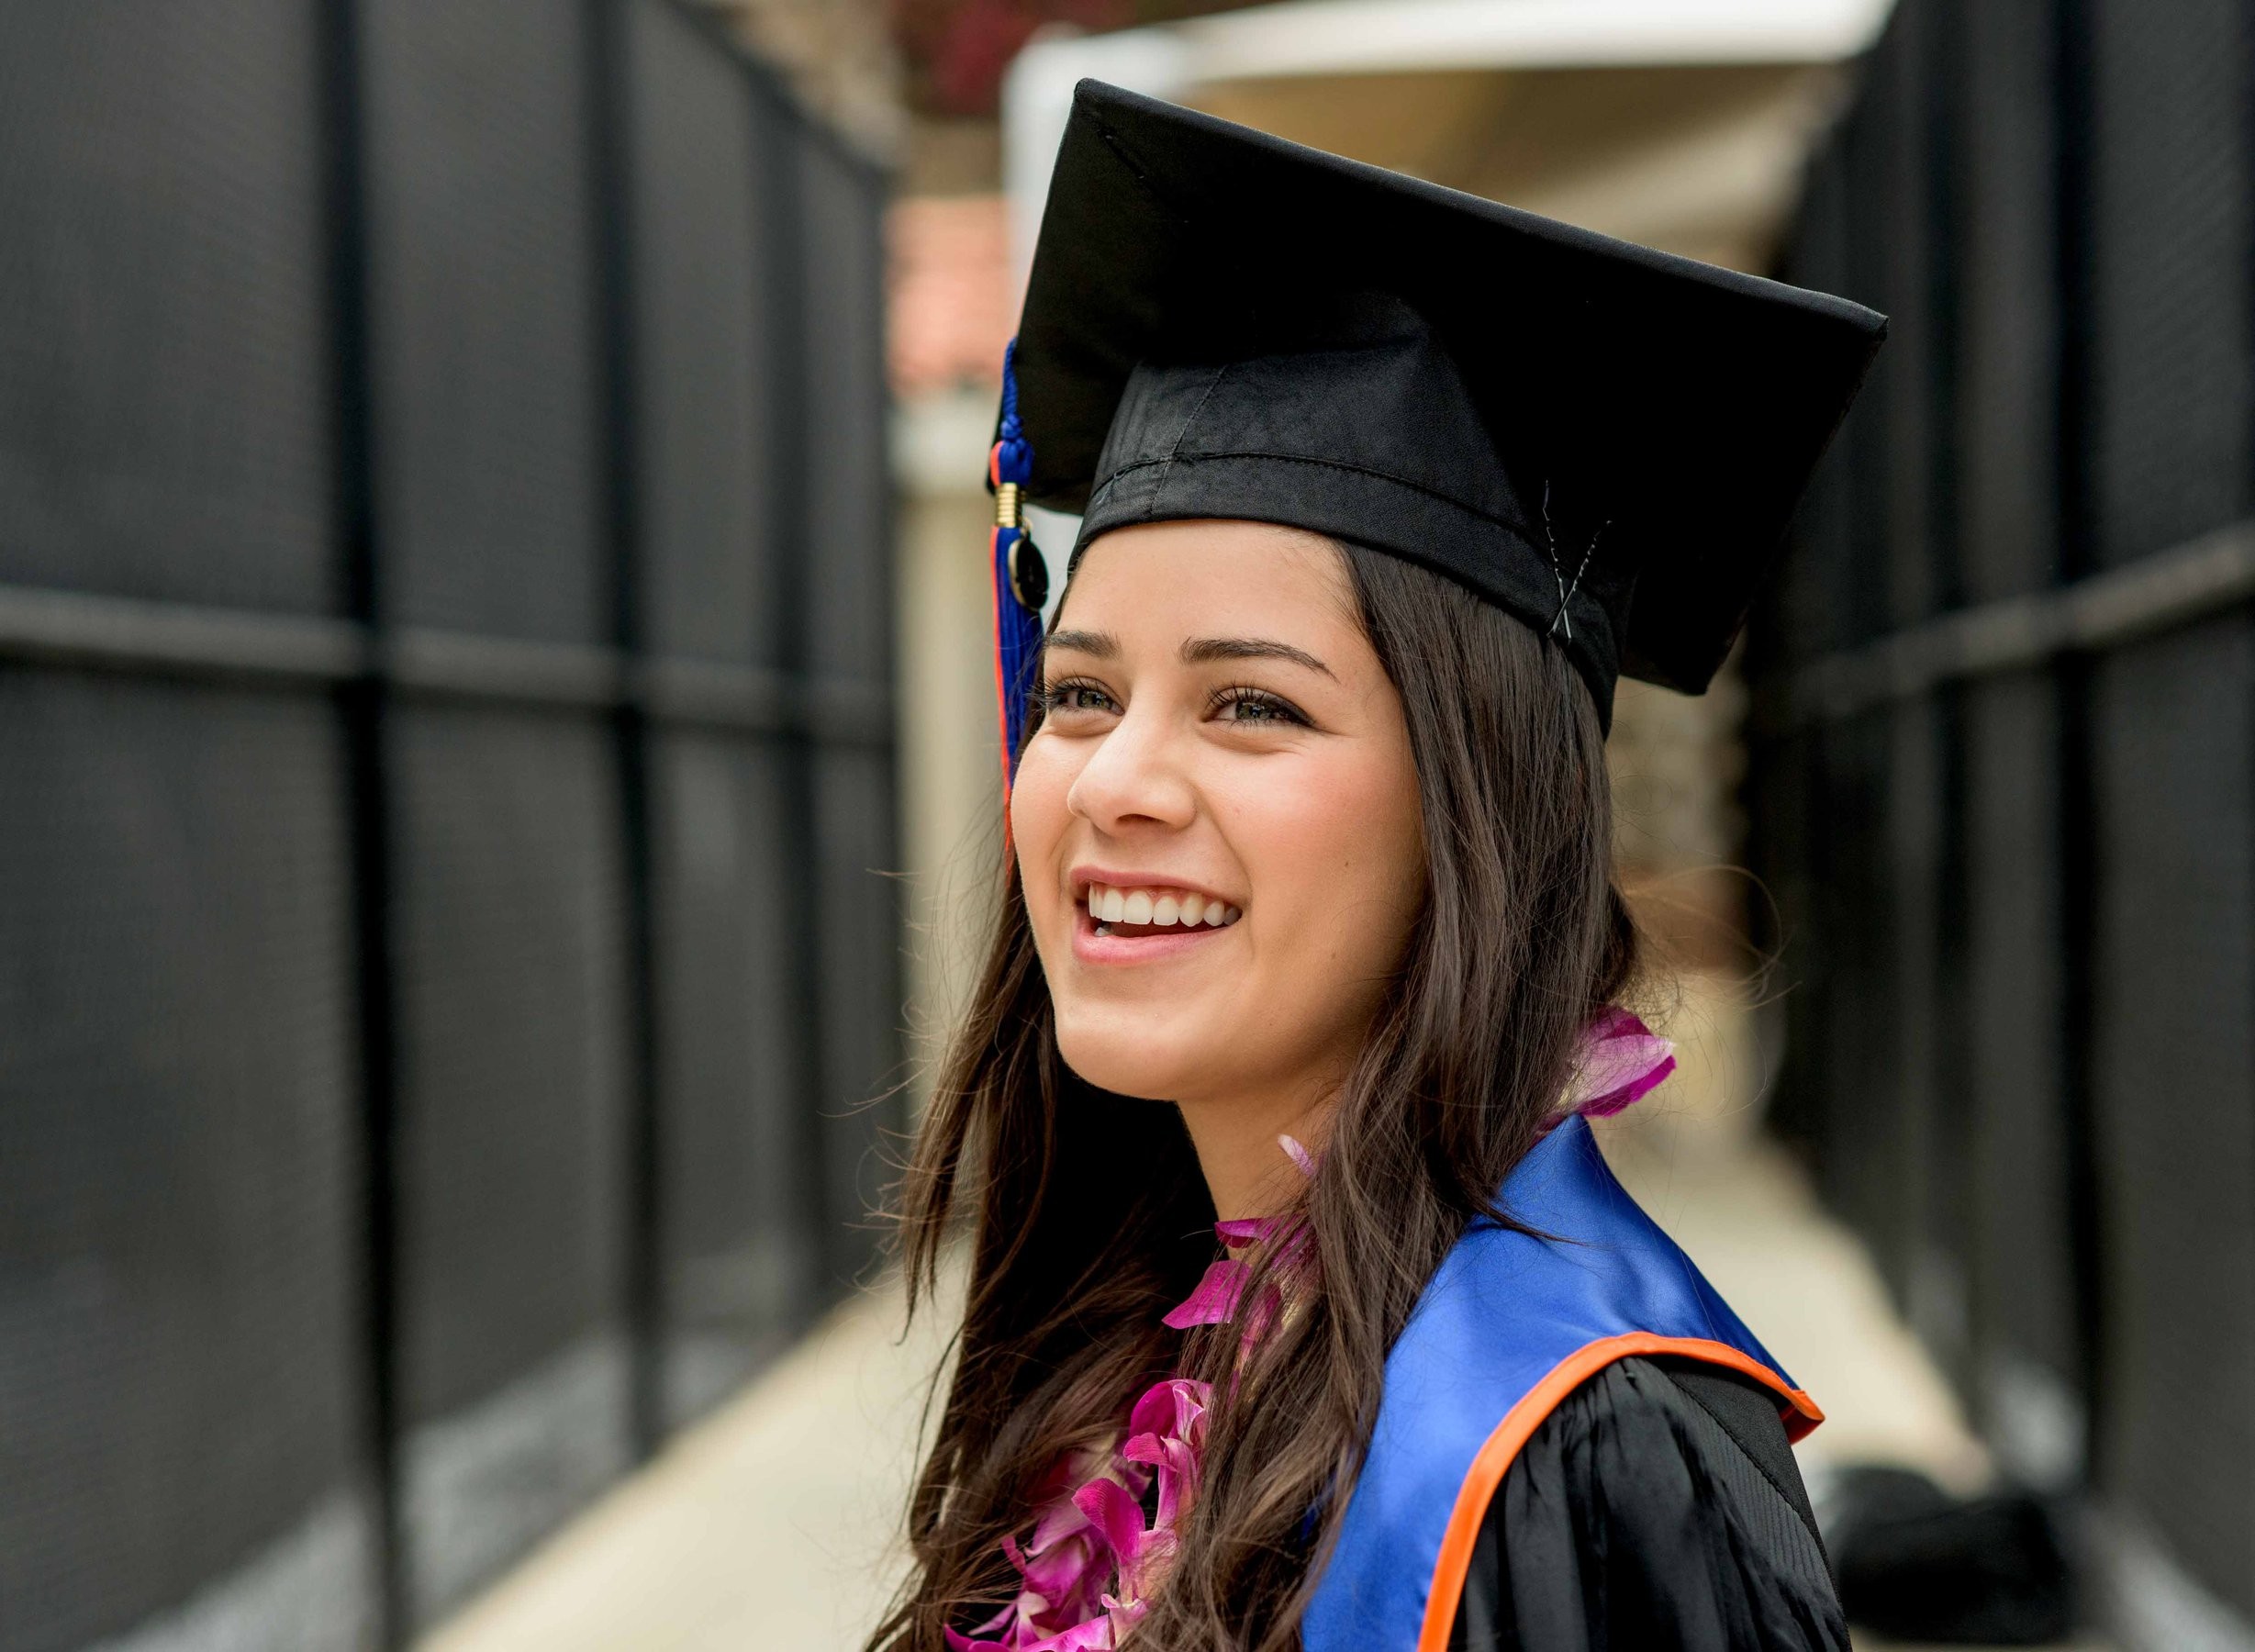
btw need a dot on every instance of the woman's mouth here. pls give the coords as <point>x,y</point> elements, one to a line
<point>1119,924</point>
<point>1146,911</point>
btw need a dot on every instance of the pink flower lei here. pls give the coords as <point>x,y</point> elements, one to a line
<point>1088,1573</point>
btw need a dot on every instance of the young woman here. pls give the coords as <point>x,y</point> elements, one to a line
<point>1303,1311</point>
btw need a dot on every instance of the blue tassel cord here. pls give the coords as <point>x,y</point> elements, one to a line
<point>1017,624</point>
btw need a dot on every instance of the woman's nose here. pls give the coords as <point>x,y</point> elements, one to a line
<point>1134,777</point>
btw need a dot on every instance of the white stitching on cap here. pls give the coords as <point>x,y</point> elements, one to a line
<point>1550,550</point>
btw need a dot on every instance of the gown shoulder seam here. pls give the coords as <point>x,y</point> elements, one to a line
<point>1733,1432</point>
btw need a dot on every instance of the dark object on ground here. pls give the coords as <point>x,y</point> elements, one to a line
<point>1916,1564</point>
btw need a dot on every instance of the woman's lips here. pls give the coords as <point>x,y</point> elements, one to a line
<point>1097,943</point>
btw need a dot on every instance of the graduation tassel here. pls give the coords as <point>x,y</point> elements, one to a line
<point>1021,578</point>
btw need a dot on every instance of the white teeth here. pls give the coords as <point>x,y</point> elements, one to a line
<point>1157,908</point>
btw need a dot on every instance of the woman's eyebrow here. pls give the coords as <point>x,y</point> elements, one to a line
<point>1201,650</point>
<point>1101,645</point>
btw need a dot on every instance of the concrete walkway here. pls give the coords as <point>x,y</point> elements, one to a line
<point>773,1524</point>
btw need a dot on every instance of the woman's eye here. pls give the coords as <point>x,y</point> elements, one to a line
<point>1255,708</point>
<point>1066,698</point>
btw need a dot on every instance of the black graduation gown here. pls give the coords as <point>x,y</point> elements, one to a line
<point>1657,1509</point>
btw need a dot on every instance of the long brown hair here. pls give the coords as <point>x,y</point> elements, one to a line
<point>1088,1217</point>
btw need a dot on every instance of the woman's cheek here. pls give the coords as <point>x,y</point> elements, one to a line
<point>1355,873</point>
<point>1038,819</point>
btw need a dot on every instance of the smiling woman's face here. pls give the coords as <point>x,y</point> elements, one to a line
<point>1221,742</point>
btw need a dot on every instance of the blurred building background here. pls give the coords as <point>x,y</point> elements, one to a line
<point>495,713</point>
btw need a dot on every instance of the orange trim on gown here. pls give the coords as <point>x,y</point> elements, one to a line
<point>1495,1458</point>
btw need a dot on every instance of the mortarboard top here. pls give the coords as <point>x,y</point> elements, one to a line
<point>1220,323</point>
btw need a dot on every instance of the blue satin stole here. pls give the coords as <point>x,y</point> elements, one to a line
<point>1511,1324</point>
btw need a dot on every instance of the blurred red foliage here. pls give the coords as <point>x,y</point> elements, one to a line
<point>952,302</point>
<point>957,50</point>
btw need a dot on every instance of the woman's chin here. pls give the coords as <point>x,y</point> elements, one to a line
<point>1151,1064</point>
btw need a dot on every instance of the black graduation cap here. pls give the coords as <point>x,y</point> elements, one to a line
<point>1604,440</point>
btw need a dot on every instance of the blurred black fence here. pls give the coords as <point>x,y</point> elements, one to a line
<point>2005,769</point>
<point>445,740</point>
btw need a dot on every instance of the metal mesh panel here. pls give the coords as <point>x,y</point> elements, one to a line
<point>739,1222</point>
<point>858,944</point>
<point>1871,159</point>
<point>2007,336</point>
<point>1927,959</point>
<point>1896,253</point>
<point>2025,912</point>
<point>1781,838</point>
<point>1863,1165</point>
<point>849,642</point>
<point>165,431</point>
<point>1807,610</point>
<point>705,287</point>
<point>194,204</point>
<point>2171,194</point>
<point>849,568</point>
<point>2174,739</point>
<point>179,1318</point>
<point>2016,979</point>
<point>511,1155</point>
<point>481,243</point>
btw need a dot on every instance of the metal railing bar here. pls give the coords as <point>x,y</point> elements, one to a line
<point>168,638</point>
<point>73,628</point>
<point>2154,594</point>
<point>80,629</point>
<point>466,665</point>
<point>716,696</point>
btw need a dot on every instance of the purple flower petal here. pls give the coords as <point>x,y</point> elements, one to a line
<point>1059,1520</point>
<point>1123,1615</point>
<point>995,1624</point>
<point>1173,1407</point>
<point>1115,1514</point>
<point>1619,1061</point>
<point>1214,1301</point>
<point>1299,1156</point>
<point>1625,1095</point>
<point>1245,1229</point>
<point>1057,1578</point>
<point>1606,1067</point>
<point>1095,1636</point>
<point>1178,1467</point>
